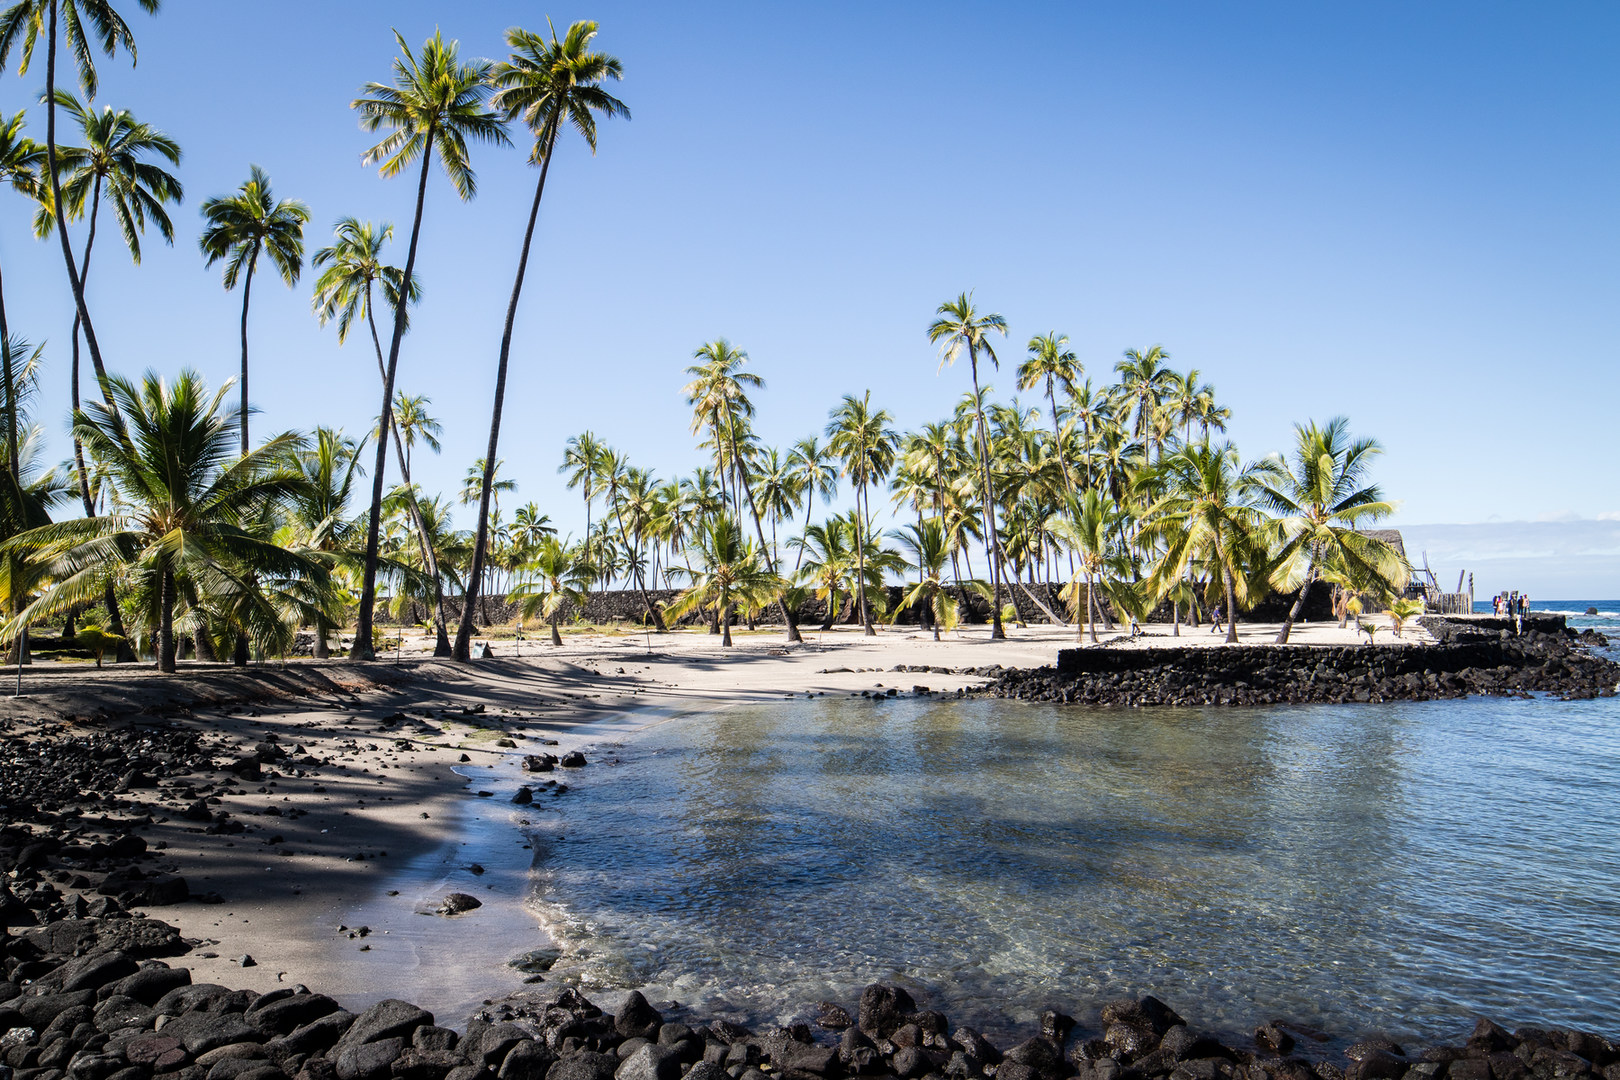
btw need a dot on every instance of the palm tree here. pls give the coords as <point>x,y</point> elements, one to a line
<point>352,265</point>
<point>1321,497</point>
<point>778,491</point>
<point>612,469</point>
<point>412,421</point>
<point>320,510</point>
<point>864,442</point>
<point>931,550</point>
<point>20,162</point>
<point>960,328</point>
<point>239,228</point>
<point>1145,384</point>
<point>815,472</point>
<point>1207,515</point>
<point>1051,364</point>
<point>582,459</point>
<point>27,20</point>
<point>26,498</point>
<point>184,507</point>
<point>560,573</point>
<point>718,398</point>
<point>1087,528</point>
<point>436,103</point>
<point>732,573</point>
<point>546,83</point>
<point>111,162</point>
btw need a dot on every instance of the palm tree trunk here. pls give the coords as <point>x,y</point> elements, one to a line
<point>992,544</point>
<point>430,561</point>
<point>556,638</point>
<point>725,620</point>
<point>463,647</point>
<point>361,649</point>
<point>1231,610</point>
<point>11,392</point>
<point>247,293</point>
<point>860,560</point>
<point>1057,438</point>
<point>770,563</point>
<point>165,640</point>
<point>1293,612</point>
<point>1091,608</point>
<point>641,585</point>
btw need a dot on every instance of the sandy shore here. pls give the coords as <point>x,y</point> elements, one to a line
<point>374,816</point>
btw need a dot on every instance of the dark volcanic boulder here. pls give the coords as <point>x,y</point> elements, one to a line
<point>150,983</point>
<point>385,1020</point>
<point>528,1060</point>
<point>884,1008</point>
<point>584,1065</point>
<point>372,1060</point>
<point>637,1019</point>
<point>650,1062</point>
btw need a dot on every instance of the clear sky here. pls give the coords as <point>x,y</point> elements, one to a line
<point>1403,213</point>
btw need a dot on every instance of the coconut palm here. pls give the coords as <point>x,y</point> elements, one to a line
<point>582,460</point>
<point>27,494</point>
<point>83,22</point>
<point>111,163</point>
<point>323,527</point>
<point>961,329</point>
<point>546,84</point>
<point>1207,516</point>
<point>434,106</point>
<point>612,469</point>
<point>1087,528</point>
<point>731,574</point>
<point>1320,497</point>
<point>862,439</point>
<point>832,562</point>
<point>719,398</point>
<point>21,159</point>
<point>414,424</point>
<point>1051,364</point>
<point>558,574</point>
<point>239,229</point>
<point>184,509</point>
<point>930,548</point>
<point>1146,383</point>
<point>351,266</point>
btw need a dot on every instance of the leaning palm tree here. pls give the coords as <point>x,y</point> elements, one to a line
<point>961,329</point>
<point>239,228</point>
<point>815,472</point>
<point>434,106</point>
<point>1052,364</point>
<point>546,83</point>
<point>184,510</point>
<point>1321,496</point>
<point>83,22</point>
<point>558,574</point>
<point>732,574</point>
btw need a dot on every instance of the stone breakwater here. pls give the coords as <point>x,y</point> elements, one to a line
<point>91,998</point>
<point>1465,659</point>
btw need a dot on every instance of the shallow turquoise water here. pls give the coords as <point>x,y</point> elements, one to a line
<point>1399,867</point>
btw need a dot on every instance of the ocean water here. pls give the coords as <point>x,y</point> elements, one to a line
<point>1402,867</point>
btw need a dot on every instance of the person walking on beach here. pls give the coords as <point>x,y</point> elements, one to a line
<point>1215,620</point>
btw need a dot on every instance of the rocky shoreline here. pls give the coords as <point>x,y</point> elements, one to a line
<point>92,997</point>
<point>1467,657</point>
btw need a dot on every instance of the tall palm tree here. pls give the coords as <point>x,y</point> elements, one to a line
<point>612,469</point>
<point>582,460</point>
<point>27,20</point>
<point>931,549</point>
<point>1146,382</point>
<point>414,424</point>
<point>111,163</point>
<point>1207,515</point>
<point>1087,528</point>
<point>351,266</point>
<point>434,106</point>
<point>21,159</point>
<point>546,83</point>
<point>718,397</point>
<point>239,228</point>
<point>961,329</point>
<point>815,472</point>
<point>184,507</point>
<point>1052,364</point>
<point>1321,496</point>
<point>320,511</point>
<point>863,440</point>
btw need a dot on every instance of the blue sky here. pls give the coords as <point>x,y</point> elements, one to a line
<point>1402,213</point>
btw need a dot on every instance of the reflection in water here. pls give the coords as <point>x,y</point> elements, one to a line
<point>1399,867</point>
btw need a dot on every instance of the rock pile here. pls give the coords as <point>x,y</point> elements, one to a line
<point>1464,661</point>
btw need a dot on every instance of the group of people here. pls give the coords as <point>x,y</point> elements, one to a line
<point>1511,603</point>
